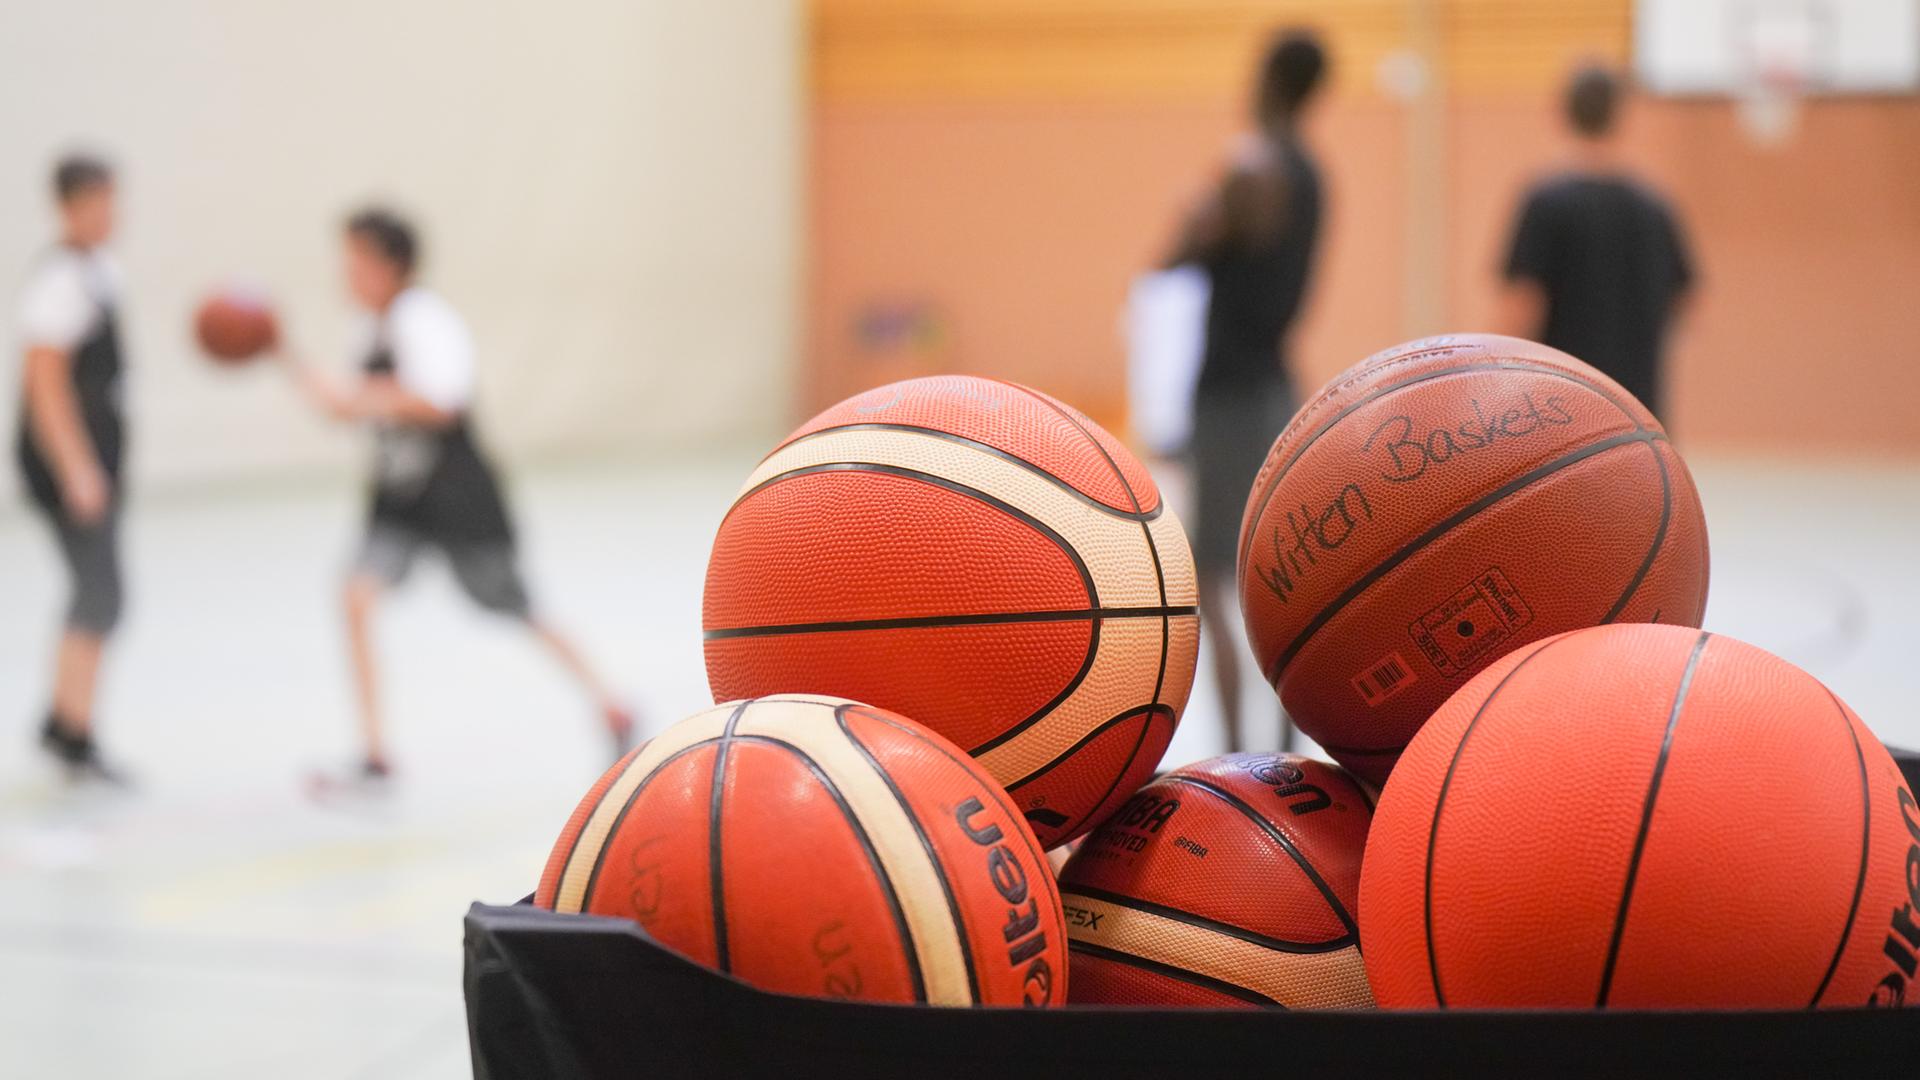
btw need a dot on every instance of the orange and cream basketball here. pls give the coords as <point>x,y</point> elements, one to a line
<point>1227,883</point>
<point>820,847</point>
<point>977,556</point>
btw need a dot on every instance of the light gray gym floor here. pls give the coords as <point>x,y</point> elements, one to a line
<point>216,924</point>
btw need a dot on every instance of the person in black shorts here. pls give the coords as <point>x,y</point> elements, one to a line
<point>1255,236</point>
<point>433,487</point>
<point>71,443</point>
<point>1598,266</point>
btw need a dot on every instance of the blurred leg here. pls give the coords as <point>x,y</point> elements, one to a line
<point>1217,616</point>
<point>568,654</point>
<point>92,554</point>
<point>362,596</point>
<point>76,672</point>
<point>490,574</point>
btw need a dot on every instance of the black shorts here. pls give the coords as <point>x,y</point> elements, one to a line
<point>1232,434</point>
<point>92,555</point>
<point>488,571</point>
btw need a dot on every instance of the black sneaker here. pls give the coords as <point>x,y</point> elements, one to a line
<point>79,755</point>
<point>65,747</point>
<point>92,769</point>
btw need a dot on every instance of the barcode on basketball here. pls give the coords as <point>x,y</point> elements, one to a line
<point>1384,679</point>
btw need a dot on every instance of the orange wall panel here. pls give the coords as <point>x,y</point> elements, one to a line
<point>1016,230</point>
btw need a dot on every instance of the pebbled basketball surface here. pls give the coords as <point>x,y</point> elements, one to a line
<point>1226,883</point>
<point>817,846</point>
<point>1441,504</point>
<point>1643,817</point>
<point>980,558</point>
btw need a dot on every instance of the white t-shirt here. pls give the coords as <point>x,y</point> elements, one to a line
<point>432,350</point>
<point>65,296</point>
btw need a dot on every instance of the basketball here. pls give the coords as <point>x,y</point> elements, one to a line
<point>235,326</point>
<point>1441,504</point>
<point>819,847</point>
<point>982,558</point>
<point>1229,883</point>
<point>1643,817</point>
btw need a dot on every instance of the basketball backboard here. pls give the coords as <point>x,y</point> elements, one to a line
<point>1722,47</point>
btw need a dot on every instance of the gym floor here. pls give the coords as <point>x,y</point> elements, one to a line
<point>215,923</point>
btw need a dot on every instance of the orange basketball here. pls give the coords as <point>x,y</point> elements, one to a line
<point>982,558</point>
<point>1228,883</point>
<point>1441,504</point>
<point>235,326</point>
<point>1643,817</point>
<point>819,847</point>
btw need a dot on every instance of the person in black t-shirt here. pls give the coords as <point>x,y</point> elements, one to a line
<point>1255,235</point>
<point>1598,266</point>
<point>70,439</point>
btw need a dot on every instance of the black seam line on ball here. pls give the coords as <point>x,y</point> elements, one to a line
<point>613,830</point>
<point>1120,774</point>
<point>1453,521</point>
<point>1306,866</point>
<point>1273,485</point>
<point>1072,889</point>
<point>1440,802</point>
<point>1160,582</point>
<point>1659,537</point>
<point>1099,729</point>
<point>627,763</point>
<point>921,622</point>
<point>1866,843</point>
<point>1013,459</point>
<point>1067,691</point>
<point>994,791</point>
<point>1079,564</point>
<point>1153,551</point>
<point>1048,403</point>
<point>1041,527</point>
<point>1178,974</point>
<point>715,877</point>
<point>1646,819</point>
<point>926,845</point>
<point>866,844</point>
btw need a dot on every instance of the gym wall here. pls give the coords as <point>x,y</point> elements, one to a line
<point>609,193</point>
<point>988,175</point>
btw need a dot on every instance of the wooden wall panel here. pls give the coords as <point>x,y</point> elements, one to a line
<point>1005,50</point>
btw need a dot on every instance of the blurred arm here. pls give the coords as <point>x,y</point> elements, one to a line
<point>1523,309</point>
<point>377,398</point>
<point>383,398</point>
<point>53,416</point>
<point>327,394</point>
<point>1202,234</point>
<point>1682,272</point>
<point>1532,256</point>
<point>1243,208</point>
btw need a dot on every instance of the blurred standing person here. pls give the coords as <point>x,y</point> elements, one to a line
<point>433,488</point>
<point>1598,266</point>
<point>1255,235</point>
<point>71,443</point>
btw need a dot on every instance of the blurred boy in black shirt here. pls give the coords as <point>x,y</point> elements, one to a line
<point>71,439</point>
<point>1598,267</point>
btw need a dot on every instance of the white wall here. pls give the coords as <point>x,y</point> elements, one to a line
<point>609,190</point>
